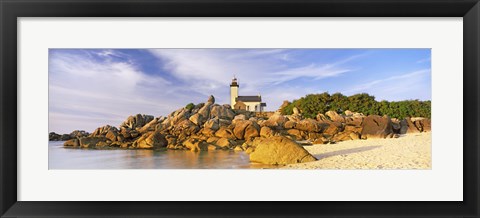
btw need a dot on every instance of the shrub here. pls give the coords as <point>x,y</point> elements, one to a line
<point>313,104</point>
<point>190,106</point>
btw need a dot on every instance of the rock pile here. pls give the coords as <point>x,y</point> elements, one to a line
<point>272,140</point>
<point>52,136</point>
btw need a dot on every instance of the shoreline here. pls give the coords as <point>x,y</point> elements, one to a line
<point>409,151</point>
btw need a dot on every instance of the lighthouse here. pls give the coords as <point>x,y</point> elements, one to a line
<point>233,92</point>
<point>249,103</point>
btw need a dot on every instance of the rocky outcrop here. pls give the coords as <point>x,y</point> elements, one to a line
<point>309,125</point>
<point>151,140</point>
<point>222,112</point>
<point>279,150</point>
<point>375,126</point>
<point>92,142</point>
<point>284,104</point>
<point>423,124</point>
<point>415,125</point>
<point>52,136</point>
<point>276,121</point>
<point>136,121</point>
<point>334,116</point>
<point>266,132</point>
<point>72,143</point>
<point>268,139</point>
<point>195,145</point>
<point>102,131</point>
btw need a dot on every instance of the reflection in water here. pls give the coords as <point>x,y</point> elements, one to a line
<point>68,158</point>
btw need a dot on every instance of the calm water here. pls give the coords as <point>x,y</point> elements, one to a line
<point>70,158</point>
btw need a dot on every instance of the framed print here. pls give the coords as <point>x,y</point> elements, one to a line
<point>267,108</point>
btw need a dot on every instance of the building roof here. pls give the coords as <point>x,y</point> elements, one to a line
<point>255,98</point>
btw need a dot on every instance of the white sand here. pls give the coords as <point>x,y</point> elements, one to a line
<point>411,151</point>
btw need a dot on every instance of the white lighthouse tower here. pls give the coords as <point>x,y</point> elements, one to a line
<point>233,92</point>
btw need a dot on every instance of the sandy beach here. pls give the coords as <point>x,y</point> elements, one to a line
<point>410,151</point>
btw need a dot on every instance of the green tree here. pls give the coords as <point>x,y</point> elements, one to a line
<point>313,104</point>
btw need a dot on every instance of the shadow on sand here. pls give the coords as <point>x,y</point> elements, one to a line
<point>346,151</point>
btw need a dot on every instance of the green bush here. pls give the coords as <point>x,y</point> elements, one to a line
<point>190,106</point>
<point>313,104</point>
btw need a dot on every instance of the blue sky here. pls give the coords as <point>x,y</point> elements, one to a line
<point>89,88</point>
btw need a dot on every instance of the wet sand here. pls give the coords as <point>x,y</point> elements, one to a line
<point>411,151</point>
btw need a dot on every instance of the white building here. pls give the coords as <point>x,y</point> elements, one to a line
<point>249,103</point>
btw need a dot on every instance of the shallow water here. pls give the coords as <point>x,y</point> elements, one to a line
<point>72,158</point>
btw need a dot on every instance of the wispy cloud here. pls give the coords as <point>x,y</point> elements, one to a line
<point>209,69</point>
<point>80,84</point>
<point>409,85</point>
<point>311,71</point>
<point>424,60</point>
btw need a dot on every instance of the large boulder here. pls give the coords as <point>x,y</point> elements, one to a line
<point>225,143</point>
<point>211,100</point>
<point>407,126</point>
<point>425,124</point>
<point>279,150</point>
<point>150,126</point>
<point>375,126</point>
<point>126,133</point>
<point>225,122</point>
<point>222,112</point>
<point>65,137</point>
<point>333,128</point>
<point>322,118</point>
<point>179,116</point>
<point>396,125</point>
<point>205,109</point>
<point>213,124</point>
<point>152,140</point>
<point>345,136</point>
<point>185,127</point>
<point>240,126</point>
<point>72,143</point>
<point>252,131</point>
<point>52,136</point>
<point>299,135</point>
<point>79,134</point>
<point>354,121</point>
<point>102,131</point>
<point>266,132</point>
<point>91,142</point>
<point>422,124</point>
<point>356,114</point>
<point>276,121</point>
<point>136,121</point>
<point>290,124</point>
<point>334,116</point>
<point>195,145</point>
<point>284,104</point>
<point>240,117</point>
<point>224,132</point>
<point>197,119</point>
<point>112,135</point>
<point>309,125</point>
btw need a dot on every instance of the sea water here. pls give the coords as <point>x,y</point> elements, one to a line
<point>60,157</point>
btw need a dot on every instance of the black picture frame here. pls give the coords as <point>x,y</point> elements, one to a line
<point>10,10</point>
